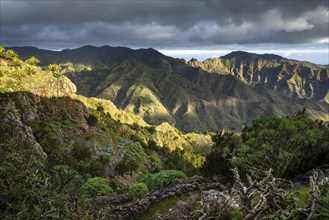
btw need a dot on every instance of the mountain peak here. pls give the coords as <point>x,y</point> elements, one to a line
<point>193,60</point>
<point>246,56</point>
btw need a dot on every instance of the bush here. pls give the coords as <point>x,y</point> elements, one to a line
<point>278,143</point>
<point>32,61</point>
<point>288,145</point>
<point>147,179</point>
<point>167,177</point>
<point>138,189</point>
<point>95,186</point>
<point>92,120</point>
<point>161,179</point>
<point>218,160</point>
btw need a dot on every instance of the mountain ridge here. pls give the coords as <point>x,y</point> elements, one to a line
<point>290,77</point>
<point>164,89</point>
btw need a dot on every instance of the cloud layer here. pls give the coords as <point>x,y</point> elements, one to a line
<point>167,24</point>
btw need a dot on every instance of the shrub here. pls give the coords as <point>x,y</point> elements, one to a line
<point>287,145</point>
<point>277,143</point>
<point>161,179</point>
<point>218,160</point>
<point>32,61</point>
<point>54,68</point>
<point>147,179</point>
<point>95,186</point>
<point>92,120</point>
<point>167,177</point>
<point>138,189</point>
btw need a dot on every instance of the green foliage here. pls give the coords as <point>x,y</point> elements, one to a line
<point>11,57</point>
<point>8,54</point>
<point>81,152</point>
<point>133,157</point>
<point>159,208</point>
<point>30,70</point>
<point>161,179</point>
<point>92,120</point>
<point>65,179</point>
<point>217,161</point>
<point>300,197</point>
<point>95,186</point>
<point>232,213</point>
<point>127,164</point>
<point>55,69</point>
<point>32,61</point>
<point>167,177</point>
<point>277,143</point>
<point>23,179</point>
<point>146,178</point>
<point>138,189</point>
<point>288,145</point>
<point>155,162</point>
<point>186,160</point>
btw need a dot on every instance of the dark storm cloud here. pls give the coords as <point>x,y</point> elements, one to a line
<point>58,24</point>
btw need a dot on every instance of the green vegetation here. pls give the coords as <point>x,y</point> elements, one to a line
<point>70,147</point>
<point>161,179</point>
<point>94,187</point>
<point>32,61</point>
<point>159,208</point>
<point>60,151</point>
<point>288,145</point>
<point>138,189</point>
<point>254,68</point>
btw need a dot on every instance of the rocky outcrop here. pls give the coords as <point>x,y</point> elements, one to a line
<point>216,199</point>
<point>22,113</point>
<point>50,86</point>
<point>114,208</point>
<point>13,131</point>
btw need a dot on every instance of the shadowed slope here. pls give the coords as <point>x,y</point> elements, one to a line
<point>163,89</point>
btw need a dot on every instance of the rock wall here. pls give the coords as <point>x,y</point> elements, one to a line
<point>113,209</point>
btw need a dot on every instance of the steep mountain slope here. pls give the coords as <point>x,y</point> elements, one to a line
<point>290,77</point>
<point>163,89</point>
<point>53,142</point>
<point>42,108</point>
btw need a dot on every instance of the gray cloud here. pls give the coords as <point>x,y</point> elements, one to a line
<point>61,24</point>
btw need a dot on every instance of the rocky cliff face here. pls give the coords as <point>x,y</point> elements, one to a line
<point>292,78</point>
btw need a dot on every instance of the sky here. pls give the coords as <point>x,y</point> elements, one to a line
<point>296,29</point>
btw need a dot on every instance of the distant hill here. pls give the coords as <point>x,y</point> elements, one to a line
<point>189,95</point>
<point>291,78</point>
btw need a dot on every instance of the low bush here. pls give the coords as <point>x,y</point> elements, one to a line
<point>95,186</point>
<point>161,179</point>
<point>138,189</point>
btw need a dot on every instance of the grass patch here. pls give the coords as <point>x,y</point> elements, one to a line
<point>159,208</point>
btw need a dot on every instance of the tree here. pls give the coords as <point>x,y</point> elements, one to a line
<point>32,61</point>
<point>218,160</point>
<point>277,143</point>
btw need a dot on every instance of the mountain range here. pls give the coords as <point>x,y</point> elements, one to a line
<point>226,92</point>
